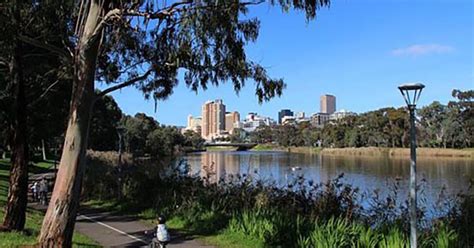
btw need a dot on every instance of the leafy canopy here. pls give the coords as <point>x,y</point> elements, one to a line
<point>148,43</point>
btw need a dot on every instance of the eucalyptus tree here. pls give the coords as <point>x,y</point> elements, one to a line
<point>11,52</point>
<point>464,107</point>
<point>146,44</point>
<point>28,74</point>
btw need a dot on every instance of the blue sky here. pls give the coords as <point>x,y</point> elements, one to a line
<point>357,50</point>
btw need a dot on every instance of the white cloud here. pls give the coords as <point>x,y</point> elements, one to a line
<point>422,49</point>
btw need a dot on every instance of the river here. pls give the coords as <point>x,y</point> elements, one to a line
<point>367,173</point>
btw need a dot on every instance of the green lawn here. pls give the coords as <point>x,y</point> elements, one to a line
<point>34,217</point>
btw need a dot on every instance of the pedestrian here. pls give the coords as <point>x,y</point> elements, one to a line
<point>162,236</point>
<point>34,191</point>
<point>43,191</point>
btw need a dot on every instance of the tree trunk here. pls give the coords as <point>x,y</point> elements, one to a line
<point>58,224</point>
<point>43,149</point>
<point>15,210</point>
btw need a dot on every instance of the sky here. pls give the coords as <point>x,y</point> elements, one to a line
<point>357,50</point>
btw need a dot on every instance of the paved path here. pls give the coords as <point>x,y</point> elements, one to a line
<point>110,230</point>
<point>120,231</point>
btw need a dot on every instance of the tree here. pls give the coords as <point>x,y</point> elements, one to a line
<point>433,119</point>
<point>105,120</point>
<point>194,140</point>
<point>145,43</point>
<point>465,109</point>
<point>137,129</point>
<point>32,74</point>
<point>163,141</point>
<point>18,183</point>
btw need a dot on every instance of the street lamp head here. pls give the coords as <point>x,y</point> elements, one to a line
<point>415,89</point>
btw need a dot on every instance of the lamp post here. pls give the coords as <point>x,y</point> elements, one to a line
<point>411,100</point>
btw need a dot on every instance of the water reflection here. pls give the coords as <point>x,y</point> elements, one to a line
<point>367,173</point>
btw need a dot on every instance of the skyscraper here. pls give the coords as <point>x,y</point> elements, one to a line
<point>194,124</point>
<point>328,104</point>
<point>230,119</point>
<point>213,119</point>
<point>283,113</point>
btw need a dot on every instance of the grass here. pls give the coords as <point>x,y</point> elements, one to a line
<point>232,240</point>
<point>34,218</point>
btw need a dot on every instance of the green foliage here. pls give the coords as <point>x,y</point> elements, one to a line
<point>394,238</point>
<point>204,39</point>
<point>143,135</point>
<point>333,233</point>
<point>442,236</point>
<point>46,78</point>
<point>255,224</point>
<point>103,134</point>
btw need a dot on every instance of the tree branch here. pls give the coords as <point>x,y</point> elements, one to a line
<point>168,11</point>
<point>160,14</point>
<point>48,47</point>
<point>125,84</point>
<point>44,93</point>
<point>110,15</point>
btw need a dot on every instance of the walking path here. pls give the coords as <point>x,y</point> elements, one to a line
<point>110,230</point>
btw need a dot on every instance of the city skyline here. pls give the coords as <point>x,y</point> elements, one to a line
<point>210,114</point>
<point>362,64</point>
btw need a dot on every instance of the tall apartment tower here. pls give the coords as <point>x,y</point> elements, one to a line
<point>328,104</point>
<point>230,119</point>
<point>213,118</point>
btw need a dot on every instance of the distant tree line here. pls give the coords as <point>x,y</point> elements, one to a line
<point>438,125</point>
<point>141,134</point>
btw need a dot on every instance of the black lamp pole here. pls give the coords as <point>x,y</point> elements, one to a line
<point>411,100</point>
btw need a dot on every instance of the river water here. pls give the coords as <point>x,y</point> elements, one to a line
<point>368,173</point>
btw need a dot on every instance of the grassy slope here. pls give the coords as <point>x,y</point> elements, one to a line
<point>34,217</point>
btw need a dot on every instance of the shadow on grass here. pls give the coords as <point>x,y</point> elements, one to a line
<point>32,168</point>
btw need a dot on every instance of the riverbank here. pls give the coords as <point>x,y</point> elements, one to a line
<point>258,216</point>
<point>371,151</point>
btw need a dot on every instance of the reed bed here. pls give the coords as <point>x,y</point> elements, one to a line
<point>398,152</point>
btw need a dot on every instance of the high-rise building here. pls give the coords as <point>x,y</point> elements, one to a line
<point>253,121</point>
<point>341,114</point>
<point>231,118</point>
<point>328,104</point>
<point>319,119</point>
<point>194,124</point>
<point>213,119</point>
<point>283,113</point>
